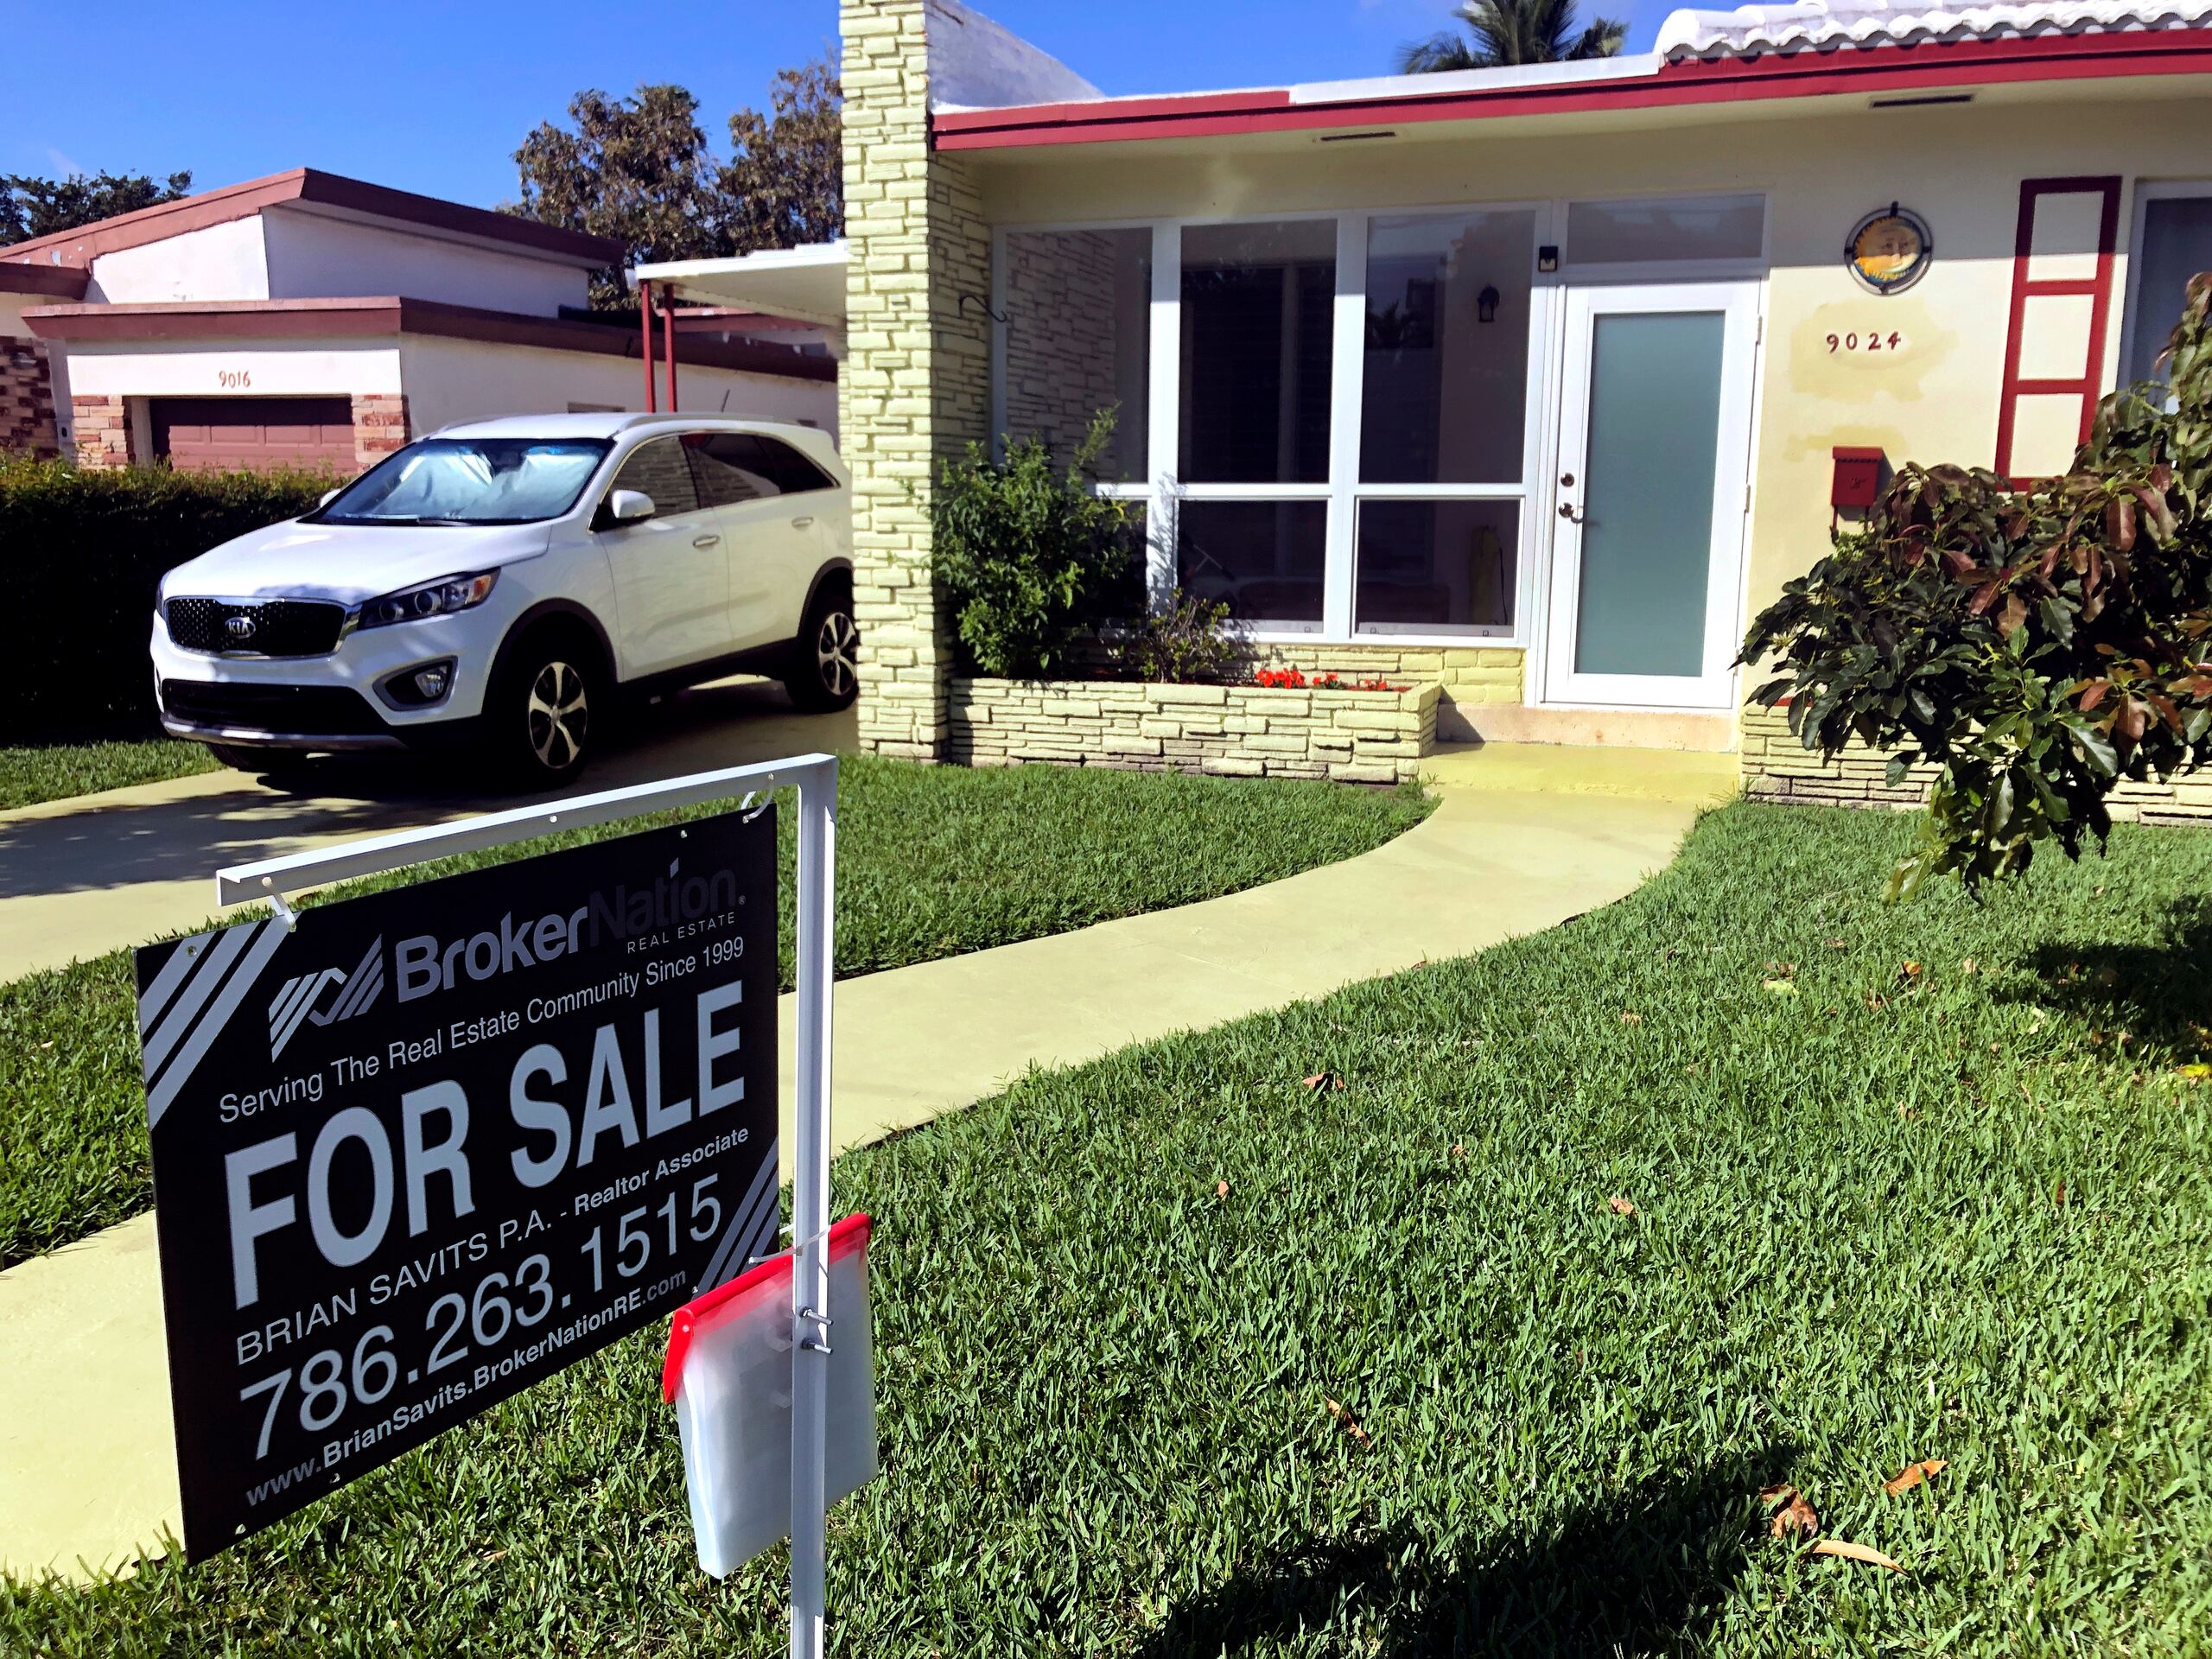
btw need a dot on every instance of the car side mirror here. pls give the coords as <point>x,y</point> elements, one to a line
<point>329,496</point>
<point>629,507</point>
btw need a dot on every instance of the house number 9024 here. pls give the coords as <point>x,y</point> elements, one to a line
<point>1872,340</point>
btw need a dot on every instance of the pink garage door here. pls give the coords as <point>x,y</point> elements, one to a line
<point>262,433</point>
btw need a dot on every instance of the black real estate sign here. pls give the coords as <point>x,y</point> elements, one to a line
<point>440,1142</point>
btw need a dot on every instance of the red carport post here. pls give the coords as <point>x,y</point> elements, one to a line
<point>645,325</point>
<point>668,326</point>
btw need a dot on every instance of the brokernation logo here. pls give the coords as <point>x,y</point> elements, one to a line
<point>324,998</point>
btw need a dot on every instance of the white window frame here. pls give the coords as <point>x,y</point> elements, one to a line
<point>1536,666</point>
<point>2130,316</point>
<point>1163,489</point>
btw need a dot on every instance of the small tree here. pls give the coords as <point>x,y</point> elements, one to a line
<point>639,169</point>
<point>2037,644</point>
<point>1032,560</point>
<point>1499,33</point>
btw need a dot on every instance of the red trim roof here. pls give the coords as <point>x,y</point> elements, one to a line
<point>391,313</point>
<point>315,188</point>
<point>1878,70</point>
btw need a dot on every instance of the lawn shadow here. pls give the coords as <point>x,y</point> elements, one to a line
<point>2160,992</point>
<point>1642,1572</point>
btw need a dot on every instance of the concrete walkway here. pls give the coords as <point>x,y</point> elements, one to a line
<point>88,1475</point>
<point>82,877</point>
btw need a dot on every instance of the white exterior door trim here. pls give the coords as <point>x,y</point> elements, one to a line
<point>1558,682</point>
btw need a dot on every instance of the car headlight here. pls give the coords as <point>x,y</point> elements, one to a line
<point>429,599</point>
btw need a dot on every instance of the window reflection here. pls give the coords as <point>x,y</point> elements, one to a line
<point>1256,326</point>
<point>1445,398</point>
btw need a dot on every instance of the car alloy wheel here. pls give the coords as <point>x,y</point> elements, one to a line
<point>559,716</point>
<point>836,654</point>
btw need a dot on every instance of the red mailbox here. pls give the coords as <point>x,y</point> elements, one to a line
<point>1858,480</point>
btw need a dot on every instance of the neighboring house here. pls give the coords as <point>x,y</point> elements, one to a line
<point>307,318</point>
<point>1530,381</point>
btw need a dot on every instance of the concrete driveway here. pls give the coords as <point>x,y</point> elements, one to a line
<point>79,878</point>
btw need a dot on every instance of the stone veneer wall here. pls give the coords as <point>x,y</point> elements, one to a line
<point>103,432</point>
<point>27,423</point>
<point>1239,731</point>
<point>380,426</point>
<point>1468,675</point>
<point>1777,767</point>
<point>1060,350</point>
<point>915,385</point>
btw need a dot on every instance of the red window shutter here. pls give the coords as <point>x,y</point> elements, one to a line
<point>2084,386</point>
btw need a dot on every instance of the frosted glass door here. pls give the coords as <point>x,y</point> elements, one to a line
<point>1648,534</point>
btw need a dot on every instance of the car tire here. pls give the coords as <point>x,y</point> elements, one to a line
<point>544,711</point>
<point>825,672</point>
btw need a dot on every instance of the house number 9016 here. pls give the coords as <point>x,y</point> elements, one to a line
<point>1871,340</point>
<point>235,378</point>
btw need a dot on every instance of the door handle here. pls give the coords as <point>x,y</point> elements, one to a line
<point>704,540</point>
<point>802,522</point>
<point>1568,512</point>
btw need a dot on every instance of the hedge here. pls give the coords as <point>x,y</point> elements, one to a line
<point>82,554</point>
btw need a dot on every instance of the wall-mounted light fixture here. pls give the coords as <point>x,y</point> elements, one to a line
<point>1486,304</point>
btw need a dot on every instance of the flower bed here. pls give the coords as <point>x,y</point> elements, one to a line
<point>1366,737</point>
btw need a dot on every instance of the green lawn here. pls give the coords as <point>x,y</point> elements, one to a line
<point>1879,1216</point>
<point>31,772</point>
<point>932,862</point>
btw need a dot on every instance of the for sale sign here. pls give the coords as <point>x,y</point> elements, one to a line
<point>438,1143</point>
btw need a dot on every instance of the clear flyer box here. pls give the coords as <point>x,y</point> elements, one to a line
<point>729,1373</point>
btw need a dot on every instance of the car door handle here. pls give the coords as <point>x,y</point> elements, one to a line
<point>802,523</point>
<point>704,540</point>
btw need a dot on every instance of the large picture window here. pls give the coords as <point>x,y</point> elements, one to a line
<point>1437,566</point>
<point>2173,244</point>
<point>1267,559</point>
<point>1257,326</point>
<point>1335,422</point>
<point>1445,398</point>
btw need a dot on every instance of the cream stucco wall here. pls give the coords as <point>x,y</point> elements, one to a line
<point>1822,166</point>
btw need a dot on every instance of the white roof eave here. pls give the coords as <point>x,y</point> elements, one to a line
<point>806,284</point>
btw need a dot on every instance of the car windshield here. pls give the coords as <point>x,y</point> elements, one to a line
<point>470,482</point>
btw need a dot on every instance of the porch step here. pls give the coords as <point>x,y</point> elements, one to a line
<point>1635,728</point>
<point>1679,775</point>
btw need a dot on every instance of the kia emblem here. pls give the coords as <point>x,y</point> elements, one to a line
<point>239,628</point>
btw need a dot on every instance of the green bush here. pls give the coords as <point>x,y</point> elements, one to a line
<point>1033,562</point>
<point>81,555</point>
<point>1185,641</point>
<point>2037,644</point>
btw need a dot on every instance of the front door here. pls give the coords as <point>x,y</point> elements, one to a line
<point>1648,518</point>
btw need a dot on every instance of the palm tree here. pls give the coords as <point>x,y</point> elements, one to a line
<point>1500,32</point>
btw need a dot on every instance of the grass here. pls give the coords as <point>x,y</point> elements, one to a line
<point>934,861</point>
<point>1877,1216</point>
<point>31,772</point>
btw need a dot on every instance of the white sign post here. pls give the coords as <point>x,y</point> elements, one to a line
<point>811,1320</point>
<point>815,776</point>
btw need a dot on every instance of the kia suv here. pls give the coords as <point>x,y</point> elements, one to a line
<point>500,584</point>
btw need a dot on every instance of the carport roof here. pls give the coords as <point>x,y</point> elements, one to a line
<point>804,285</point>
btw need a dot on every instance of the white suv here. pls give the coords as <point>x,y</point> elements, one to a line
<point>500,583</point>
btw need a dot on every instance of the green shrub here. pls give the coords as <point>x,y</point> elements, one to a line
<point>2038,644</point>
<point>81,555</point>
<point>1032,561</point>
<point>1187,641</point>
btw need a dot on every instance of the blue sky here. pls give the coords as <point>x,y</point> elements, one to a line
<point>432,96</point>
